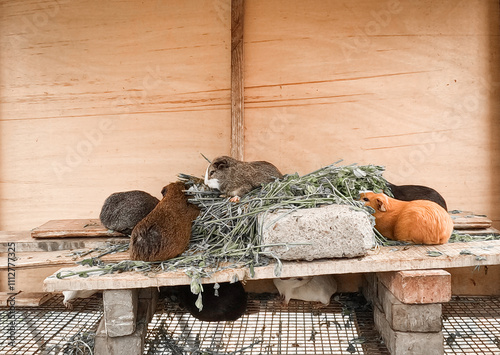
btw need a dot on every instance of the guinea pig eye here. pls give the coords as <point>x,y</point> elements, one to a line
<point>366,199</point>
<point>211,173</point>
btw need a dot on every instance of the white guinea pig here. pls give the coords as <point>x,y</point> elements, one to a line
<point>70,296</point>
<point>311,288</point>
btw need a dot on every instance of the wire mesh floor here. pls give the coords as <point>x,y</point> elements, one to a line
<point>471,325</point>
<point>344,327</point>
<point>49,328</point>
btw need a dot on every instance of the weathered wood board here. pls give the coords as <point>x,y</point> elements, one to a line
<point>468,220</point>
<point>24,242</point>
<point>26,299</point>
<point>384,259</point>
<point>52,258</point>
<point>73,228</point>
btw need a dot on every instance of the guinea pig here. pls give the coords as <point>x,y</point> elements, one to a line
<point>121,211</point>
<point>165,232</point>
<point>236,178</point>
<point>71,296</point>
<point>417,221</point>
<point>318,288</point>
<point>227,303</point>
<point>416,192</point>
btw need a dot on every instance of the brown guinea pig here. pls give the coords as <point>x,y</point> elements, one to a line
<point>418,221</point>
<point>416,192</point>
<point>165,232</point>
<point>236,178</point>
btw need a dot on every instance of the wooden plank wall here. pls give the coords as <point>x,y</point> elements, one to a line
<point>411,85</point>
<point>98,97</point>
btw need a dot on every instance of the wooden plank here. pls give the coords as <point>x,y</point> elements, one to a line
<point>468,220</point>
<point>32,299</point>
<point>26,299</point>
<point>62,228</point>
<point>26,260</point>
<point>485,231</point>
<point>384,259</point>
<point>25,243</point>
<point>237,80</point>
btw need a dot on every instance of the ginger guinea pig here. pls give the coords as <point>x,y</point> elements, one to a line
<point>418,221</point>
<point>236,178</point>
<point>123,210</point>
<point>165,232</point>
<point>416,192</point>
<point>318,288</point>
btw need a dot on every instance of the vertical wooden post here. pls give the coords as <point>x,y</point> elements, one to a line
<point>237,85</point>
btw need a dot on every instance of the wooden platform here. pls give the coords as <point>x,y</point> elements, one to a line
<point>451,255</point>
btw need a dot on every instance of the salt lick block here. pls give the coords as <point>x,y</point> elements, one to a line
<point>333,231</point>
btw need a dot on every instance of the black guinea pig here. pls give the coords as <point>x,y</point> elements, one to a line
<point>416,192</point>
<point>122,211</point>
<point>227,303</point>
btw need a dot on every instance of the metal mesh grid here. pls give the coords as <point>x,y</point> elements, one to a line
<point>268,328</point>
<point>48,328</point>
<point>471,325</point>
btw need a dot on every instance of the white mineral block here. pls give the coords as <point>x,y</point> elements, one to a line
<point>333,231</point>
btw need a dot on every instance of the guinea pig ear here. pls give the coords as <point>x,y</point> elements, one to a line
<point>380,202</point>
<point>164,191</point>
<point>221,163</point>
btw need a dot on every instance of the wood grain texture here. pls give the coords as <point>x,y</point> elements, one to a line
<point>25,243</point>
<point>386,259</point>
<point>237,80</point>
<point>73,228</point>
<point>411,85</point>
<point>97,98</point>
<point>27,299</point>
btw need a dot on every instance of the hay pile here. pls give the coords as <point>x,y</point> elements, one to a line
<point>227,231</point>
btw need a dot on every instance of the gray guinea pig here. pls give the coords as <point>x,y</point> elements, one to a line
<point>123,210</point>
<point>416,192</point>
<point>236,178</point>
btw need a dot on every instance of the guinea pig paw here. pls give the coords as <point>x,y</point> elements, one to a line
<point>319,305</point>
<point>68,305</point>
<point>283,301</point>
<point>235,199</point>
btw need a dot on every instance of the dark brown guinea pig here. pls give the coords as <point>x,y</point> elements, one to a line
<point>416,192</point>
<point>165,232</point>
<point>236,178</point>
<point>123,210</point>
<point>229,304</point>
